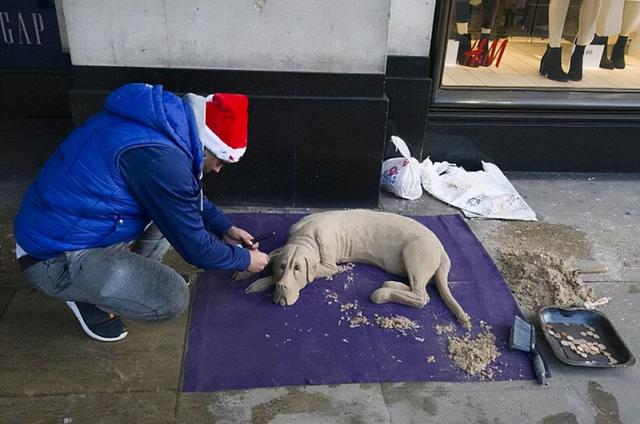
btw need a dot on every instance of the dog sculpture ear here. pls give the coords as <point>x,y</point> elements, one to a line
<point>311,269</point>
<point>243,275</point>
<point>260,285</point>
<point>275,253</point>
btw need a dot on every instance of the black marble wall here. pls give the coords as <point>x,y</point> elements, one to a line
<point>409,89</point>
<point>535,146</point>
<point>307,152</point>
<point>315,140</point>
<point>34,93</point>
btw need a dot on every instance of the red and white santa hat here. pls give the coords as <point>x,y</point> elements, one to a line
<point>222,121</point>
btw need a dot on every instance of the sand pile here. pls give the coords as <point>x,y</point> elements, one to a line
<point>539,279</point>
<point>475,354</point>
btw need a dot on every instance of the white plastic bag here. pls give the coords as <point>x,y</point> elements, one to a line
<point>401,176</point>
<point>480,194</point>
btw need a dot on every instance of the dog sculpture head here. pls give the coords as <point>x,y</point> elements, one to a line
<point>293,268</point>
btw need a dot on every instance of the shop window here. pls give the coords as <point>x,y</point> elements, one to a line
<point>543,44</point>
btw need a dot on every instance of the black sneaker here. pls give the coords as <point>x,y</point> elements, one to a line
<point>98,325</point>
<point>187,279</point>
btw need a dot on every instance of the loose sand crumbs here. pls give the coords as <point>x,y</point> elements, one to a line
<point>396,322</point>
<point>475,354</point>
<point>353,315</point>
<point>445,328</point>
<point>330,296</point>
<point>540,279</point>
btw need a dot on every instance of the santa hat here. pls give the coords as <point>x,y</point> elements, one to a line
<point>222,120</point>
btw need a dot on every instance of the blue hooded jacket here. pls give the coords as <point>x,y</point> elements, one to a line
<point>86,196</point>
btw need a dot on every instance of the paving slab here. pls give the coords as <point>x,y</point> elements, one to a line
<point>96,408</point>
<point>602,206</point>
<point>44,352</point>
<point>11,192</point>
<point>6,295</point>
<point>483,402</point>
<point>13,280</point>
<point>346,403</point>
<point>612,393</point>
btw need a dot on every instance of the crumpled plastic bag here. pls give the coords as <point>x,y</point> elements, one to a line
<point>401,176</point>
<point>480,194</point>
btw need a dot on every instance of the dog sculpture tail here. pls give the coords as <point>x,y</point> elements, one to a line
<point>442,275</point>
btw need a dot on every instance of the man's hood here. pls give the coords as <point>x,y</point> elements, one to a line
<point>161,110</point>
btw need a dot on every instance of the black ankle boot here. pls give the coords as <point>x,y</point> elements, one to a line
<point>464,45</point>
<point>551,65</point>
<point>605,63</point>
<point>575,69</point>
<point>484,53</point>
<point>617,52</point>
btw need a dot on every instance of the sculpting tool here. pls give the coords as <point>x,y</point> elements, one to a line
<point>262,237</point>
<point>523,337</point>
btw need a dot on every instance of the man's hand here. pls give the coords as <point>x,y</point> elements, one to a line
<point>259,260</point>
<point>237,235</point>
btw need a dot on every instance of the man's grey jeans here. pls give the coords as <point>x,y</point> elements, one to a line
<point>127,279</point>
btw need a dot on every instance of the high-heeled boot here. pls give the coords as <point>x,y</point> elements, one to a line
<point>464,46</point>
<point>575,68</point>
<point>551,65</point>
<point>617,52</point>
<point>605,62</point>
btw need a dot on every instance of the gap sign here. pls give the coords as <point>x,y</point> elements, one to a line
<point>29,35</point>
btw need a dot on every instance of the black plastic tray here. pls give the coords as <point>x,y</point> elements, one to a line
<point>576,321</point>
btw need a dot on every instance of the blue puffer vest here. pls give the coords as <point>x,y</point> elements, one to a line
<point>80,200</point>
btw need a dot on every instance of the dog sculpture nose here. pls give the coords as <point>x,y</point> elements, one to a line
<point>280,294</point>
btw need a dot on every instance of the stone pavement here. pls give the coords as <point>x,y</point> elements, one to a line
<point>52,373</point>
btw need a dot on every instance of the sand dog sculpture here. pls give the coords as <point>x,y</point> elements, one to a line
<point>394,243</point>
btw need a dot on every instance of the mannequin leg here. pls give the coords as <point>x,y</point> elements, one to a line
<point>557,15</point>
<point>605,62</point>
<point>609,23</point>
<point>551,62</point>
<point>463,13</point>
<point>630,18</point>
<point>609,18</point>
<point>617,52</point>
<point>630,24</point>
<point>462,28</point>
<point>588,20</point>
<point>489,12</point>
<point>587,29</point>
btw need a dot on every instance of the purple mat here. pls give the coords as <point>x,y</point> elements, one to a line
<point>240,341</point>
